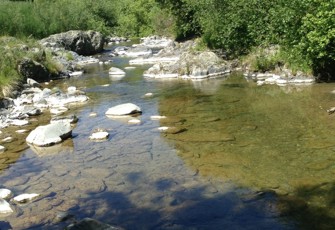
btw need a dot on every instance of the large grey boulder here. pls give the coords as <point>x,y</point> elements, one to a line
<point>82,42</point>
<point>29,68</point>
<point>191,65</point>
<point>50,134</point>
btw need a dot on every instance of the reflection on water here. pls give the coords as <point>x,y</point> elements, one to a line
<point>244,157</point>
<point>264,138</point>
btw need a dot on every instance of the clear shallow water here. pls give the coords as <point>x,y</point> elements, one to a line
<point>250,158</point>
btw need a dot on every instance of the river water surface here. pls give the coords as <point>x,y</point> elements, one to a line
<point>242,157</point>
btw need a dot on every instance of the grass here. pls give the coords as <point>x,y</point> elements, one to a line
<point>274,59</point>
<point>12,51</point>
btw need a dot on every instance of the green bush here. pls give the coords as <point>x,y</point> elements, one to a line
<point>318,38</point>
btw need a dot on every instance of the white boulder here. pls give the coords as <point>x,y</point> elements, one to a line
<point>5,193</point>
<point>50,134</point>
<point>123,109</point>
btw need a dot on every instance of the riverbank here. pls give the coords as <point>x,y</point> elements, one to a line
<point>169,60</point>
<point>230,147</point>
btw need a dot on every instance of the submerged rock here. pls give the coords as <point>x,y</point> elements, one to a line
<point>123,109</point>
<point>116,71</point>
<point>72,119</point>
<point>26,197</point>
<point>91,224</point>
<point>50,134</point>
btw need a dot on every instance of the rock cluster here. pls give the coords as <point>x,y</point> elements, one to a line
<point>6,198</point>
<point>279,79</point>
<point>35,100</point>
<point>191,65</point>
<point>180,60</point>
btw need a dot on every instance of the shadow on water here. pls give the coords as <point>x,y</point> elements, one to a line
<point>187,209</point>
<point>311,207</point>
<point>193,209</point>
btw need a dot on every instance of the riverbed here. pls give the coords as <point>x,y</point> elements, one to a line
<point>243,157</point>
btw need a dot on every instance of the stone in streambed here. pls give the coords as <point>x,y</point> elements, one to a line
<point>2,149</point>
<point>26,197</point>
<point>123,109</point>
<point>5,207</point>
<point>91,224</point>
<point>99,134</point>
<point>5,193</point>
<point>50,134</point>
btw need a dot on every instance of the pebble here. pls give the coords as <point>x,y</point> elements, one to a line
<point>17,122</point>
<point>164,128</point>
<point>157,117</point>
<point>7,140</point>
<point>99,135</point>
<point>76,73</point>
<point>71,89</point>
<point>26,197</point>
<point>58,111</point>
<point>22,131</point>
<point>148,95</point>
<point>134,121</point>
<point>2,149</point>
<point>93,114</point>
<point>5,193</point>
<point>5,207</point>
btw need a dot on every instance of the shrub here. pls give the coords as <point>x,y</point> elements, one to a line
<point>318,38</point>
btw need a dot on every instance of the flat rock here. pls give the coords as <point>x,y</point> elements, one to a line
<point>50,134</point>
<point>26,197</point>
<point>99,135</point>
<point>123,109</point>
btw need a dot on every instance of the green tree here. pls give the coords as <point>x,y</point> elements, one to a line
<point>318,38</point>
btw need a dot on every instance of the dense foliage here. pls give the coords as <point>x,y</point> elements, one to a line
<point>304,29</point>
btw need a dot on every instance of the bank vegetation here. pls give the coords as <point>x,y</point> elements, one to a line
<point>302,32</point>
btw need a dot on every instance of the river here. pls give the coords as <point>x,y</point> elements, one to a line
<point>244,157</point>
